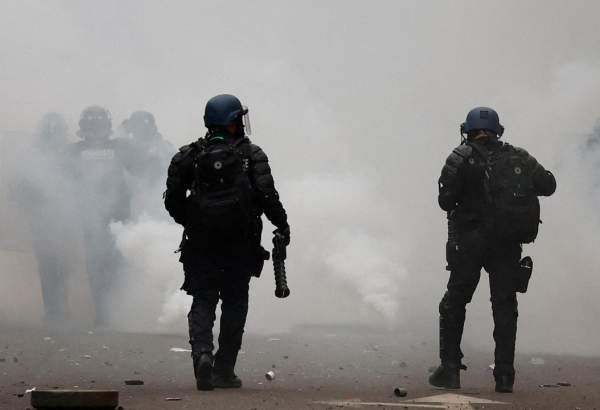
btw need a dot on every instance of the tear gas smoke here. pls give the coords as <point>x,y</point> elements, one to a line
<point>357,105</point>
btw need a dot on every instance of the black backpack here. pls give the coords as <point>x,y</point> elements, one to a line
<point>510,194</point>
<point>222,207</point>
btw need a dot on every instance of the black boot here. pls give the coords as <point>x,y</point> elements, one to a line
<point>447,375</point>
<point>226,381</point>
<point>224,376</point>
<point>203,368</point>
<point>504,381</point>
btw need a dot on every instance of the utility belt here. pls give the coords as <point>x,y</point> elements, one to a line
<point>454,253</point>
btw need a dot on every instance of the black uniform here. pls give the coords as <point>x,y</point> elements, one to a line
<point>472,246</point>
<point>98,169</point>
<point>214,271</point>
<point>35,190</point>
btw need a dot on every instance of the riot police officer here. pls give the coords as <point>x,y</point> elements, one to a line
<point>231,186</point>
<point>36,189</point>
<point>490,191</point>
<point>99,173</point>
<point>150,152</point>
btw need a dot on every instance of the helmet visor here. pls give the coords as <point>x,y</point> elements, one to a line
<point>246,121</point>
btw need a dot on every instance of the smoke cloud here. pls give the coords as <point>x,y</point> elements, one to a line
<point>357,106</point>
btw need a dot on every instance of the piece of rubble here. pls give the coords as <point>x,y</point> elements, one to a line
<point>134,382</point>
<point>74,399</point>
<point>180,350</point>
<point>270,375</point>
<point>173,399</point>
<point>564,384</point>
<point>400,392</point>
<point>549,385</point>
<point>537,361</point>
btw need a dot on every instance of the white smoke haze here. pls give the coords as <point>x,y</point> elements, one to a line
<point>357,105</point>
<point>146,295</point>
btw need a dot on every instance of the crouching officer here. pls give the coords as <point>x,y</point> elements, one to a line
<point>230,186</point>
<point>490,190</point>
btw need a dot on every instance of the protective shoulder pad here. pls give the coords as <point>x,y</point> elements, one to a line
<point>463,151</point>
<point>456,159</point>
<point>258,155</point>
<point>186,148</point>
<point>520,151</point>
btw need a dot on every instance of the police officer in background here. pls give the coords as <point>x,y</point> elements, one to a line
<point>490,191</point>
<point>98,170</point>
<point>231,186</point>
<point>40,190</point>
<point>150,152</point>
<point>147,157</point>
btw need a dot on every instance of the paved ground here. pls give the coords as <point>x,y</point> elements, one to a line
<point>341,368</point>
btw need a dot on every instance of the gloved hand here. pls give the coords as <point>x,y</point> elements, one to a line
<point>284,233</point>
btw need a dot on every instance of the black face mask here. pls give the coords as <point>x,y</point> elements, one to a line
<point>223,132</point>
<point>489,137</point>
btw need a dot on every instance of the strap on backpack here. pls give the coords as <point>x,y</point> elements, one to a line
<point>486,156</point>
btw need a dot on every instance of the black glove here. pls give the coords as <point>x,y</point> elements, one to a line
<point>284,233</point>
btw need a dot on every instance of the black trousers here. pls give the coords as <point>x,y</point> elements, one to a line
<point>102,261</point>
<point>53,277</point>
<point>230,285</point>
<point>501,261</point>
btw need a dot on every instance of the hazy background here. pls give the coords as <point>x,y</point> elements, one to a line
<point>357,104</point>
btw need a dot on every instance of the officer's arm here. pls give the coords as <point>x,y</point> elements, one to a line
<point>268,197</point>
<point>179,180</point>
<point>544,182</point>
<point>450,184</point>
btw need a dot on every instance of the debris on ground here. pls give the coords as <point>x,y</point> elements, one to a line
<point>492,366</point>
<point>537,361</point>
<point>400,392</point>
<point>270,375</point>
<point>55,399</point>
<point>180,350</point>
<point>559,384</point>
<point>173,399</point>
<point>134,382</point>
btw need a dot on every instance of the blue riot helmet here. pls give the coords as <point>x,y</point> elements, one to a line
<point>482,118</point>
<point>226,109</point>
<point>95,123</point>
